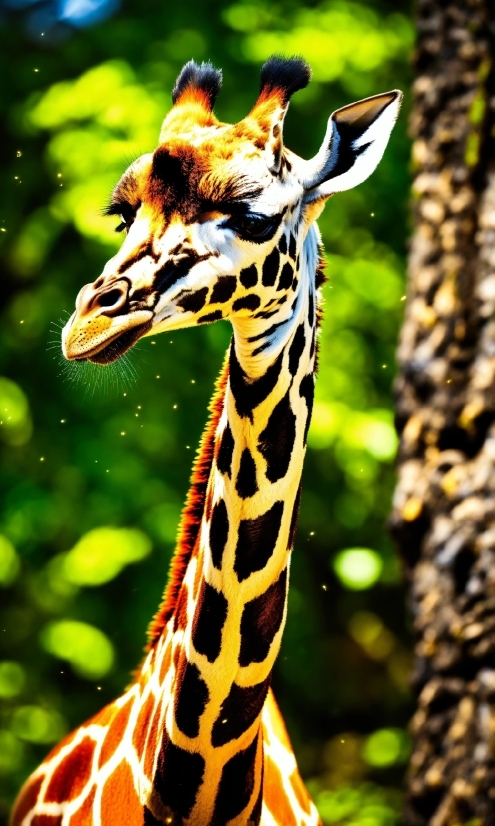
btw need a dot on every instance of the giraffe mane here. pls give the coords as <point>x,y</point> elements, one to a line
<point>192,512</point>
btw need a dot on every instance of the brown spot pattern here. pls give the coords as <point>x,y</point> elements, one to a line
<point>119,801</point>
<point>274,795</point>
<point>180,619</point>
<point>71,775</point>
<point>142,724</point>
<point>26,800</point>
<point>115,733</point>
<point>300,791</point>
<point>84,814</point>
<point>151,745</point>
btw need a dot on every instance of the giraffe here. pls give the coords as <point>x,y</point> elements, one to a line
<point>219,223</point>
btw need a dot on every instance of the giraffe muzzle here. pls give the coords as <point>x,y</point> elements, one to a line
<point>103,327</point>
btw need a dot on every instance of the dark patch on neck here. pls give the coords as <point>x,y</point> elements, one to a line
<point>238,712</point>
<point>266,314</point>
<point>276,442</point>
<point>247,302</point>
<point>282,244</point>
<point>249,393</point>
<point>246,484</point>
<point>225,451</point>
<point>206,319</point>
<point>209,619</point>
<point>296,349</point>
<point>267,332</point>
<point>178,777</point>
<point>219,531</point>
<point>313,346</point>
<point>191,697</point>
<point>180,615</point>
<point>311,309</point>
<point>307,392</point>
<point>150,819</point>
<point>270,268</point>
<point>256,541</point>
<point>294,518</point>
<point>236,785</point>
<point>286,276</point>
<point>261,619</point>
<point>292,247</point>
<point>261,348</point>
<point>249,276</point>
<point>193,302</point>
<point>224,289</point>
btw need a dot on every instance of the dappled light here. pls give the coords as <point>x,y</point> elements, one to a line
<point>358,568</point>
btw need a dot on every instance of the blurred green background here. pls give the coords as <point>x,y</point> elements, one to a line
<point>95,465</point>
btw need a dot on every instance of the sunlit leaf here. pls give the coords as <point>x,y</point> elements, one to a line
<point>101,554</point>
<point>86,648</point>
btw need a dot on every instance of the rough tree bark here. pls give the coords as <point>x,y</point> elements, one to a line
<point>444,506</point>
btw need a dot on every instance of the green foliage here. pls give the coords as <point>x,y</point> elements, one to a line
<point>364,805</point>
<point>15,422</point>
<point>101,554</point>
<point>9,562</point>
<point>86,648</point>
<point>96,463</point>
<point>358,568</point>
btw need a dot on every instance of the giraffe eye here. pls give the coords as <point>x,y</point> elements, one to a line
<point>125,212</point>
<point>127,219</point>
<point>253,227</point>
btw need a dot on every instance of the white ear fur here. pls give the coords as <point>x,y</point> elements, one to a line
<point>354,143</point>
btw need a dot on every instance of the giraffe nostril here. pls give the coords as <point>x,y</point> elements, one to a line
<point>110,298</point>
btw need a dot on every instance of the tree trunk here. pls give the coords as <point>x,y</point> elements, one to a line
<point>444,506</point>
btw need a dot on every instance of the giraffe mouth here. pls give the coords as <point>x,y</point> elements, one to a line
<point>116,348</point>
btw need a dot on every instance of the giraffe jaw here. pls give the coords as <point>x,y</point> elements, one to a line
<point>101,339</point>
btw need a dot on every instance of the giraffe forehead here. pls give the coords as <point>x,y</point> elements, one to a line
<point>187,179</point>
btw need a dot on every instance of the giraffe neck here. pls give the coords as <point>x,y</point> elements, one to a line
<point>228,621</point>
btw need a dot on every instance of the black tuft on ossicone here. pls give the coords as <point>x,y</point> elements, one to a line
<point>288,74</point>
<point>202,76</point>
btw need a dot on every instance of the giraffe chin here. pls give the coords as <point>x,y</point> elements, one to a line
<point>116,348</point>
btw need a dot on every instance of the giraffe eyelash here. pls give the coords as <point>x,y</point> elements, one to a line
<point>124,211</point>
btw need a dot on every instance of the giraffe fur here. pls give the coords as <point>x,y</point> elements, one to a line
<point>219,222</point>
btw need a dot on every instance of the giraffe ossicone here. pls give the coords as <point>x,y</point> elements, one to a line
<point>219,222</point>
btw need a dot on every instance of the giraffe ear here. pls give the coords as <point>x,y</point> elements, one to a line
<point>280,78</point>
<point>354,143</point>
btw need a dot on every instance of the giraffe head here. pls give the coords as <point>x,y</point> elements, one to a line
<point>215,217</point>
